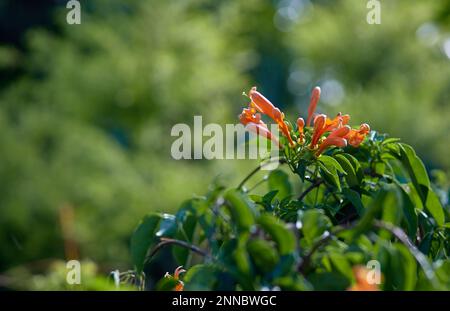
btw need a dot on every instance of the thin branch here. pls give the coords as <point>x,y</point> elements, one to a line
<point>169,241</point>
<point>315,184</point>
<point>257,184</point>
<point>257,169</point>
<point>325,238</point>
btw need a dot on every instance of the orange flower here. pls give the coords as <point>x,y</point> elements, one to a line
<point>331,141</point>
<point>337,122</point>
<point>360,273</point>
<point>329,125</point>
<point>263,105</point>
<point>176,276</point>
<point>356,137</point>
<point>253,122</point>
<point>315,96</point>
<point>319,125</point>
<point>335,139</point>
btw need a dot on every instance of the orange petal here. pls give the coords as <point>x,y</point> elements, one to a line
<point>261,103</point>
<point>340,132</point>
<point>179,287</point>
<point>364,128</point>
<point>300,124</point>
<point>315,96</point>
<point>331,141</point>
<point>261,130</point>
<point>319,123</point>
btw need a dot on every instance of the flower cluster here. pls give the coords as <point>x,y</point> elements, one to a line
<point>324,132</point>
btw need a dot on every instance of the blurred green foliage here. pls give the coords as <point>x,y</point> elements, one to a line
<point>86,110</point>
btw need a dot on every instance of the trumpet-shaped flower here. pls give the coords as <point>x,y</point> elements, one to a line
<point>335,139</point>
<point>315,96</point>
<point>253,122</point>
<point>263,105</point>
<point>319,126</point>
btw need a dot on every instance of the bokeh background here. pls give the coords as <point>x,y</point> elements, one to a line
<point>86,110</point>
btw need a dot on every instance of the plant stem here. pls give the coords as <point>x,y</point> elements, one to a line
<point>306,260</point>
<point>315,184</point>
<point>256,170</point>
<point>169,241</point>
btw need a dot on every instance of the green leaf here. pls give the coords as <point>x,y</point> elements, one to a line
<point>285,266</point>
<point>409,213</point>
<point>399,267</point>
<point>379,167</point>
<point>201,278</point>
<point>329,281</point>
<point>313,223</point>
<point>416,170</point>
<point>351,177</point>
<point>284,238</point>
<point>340,264</point>
<point>262,254</point>
<point>330,175</point>
<point>390,141</point>
<point>279,180</point>
<point>385,196</point>
<point>354,198</point>
<point>186,223</point>
<point>241,258</point>
<point>241,209</point>
<point>301,169</point>
<point>331,162</point>
<point>356,165</point>
<point>434,207</point>
<point>166,284</point>
<point>143,239</point>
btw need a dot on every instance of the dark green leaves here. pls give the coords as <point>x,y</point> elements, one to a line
<point>386,196</point>
<point>143,238</point>
<point>434,207</point>
<point>351,177</point>
<point>186,222</point>
<point>419,178</point>
<point>354,198</point>
<point>416,169</point>
<point>398,266</point>
<point>330,169</point>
